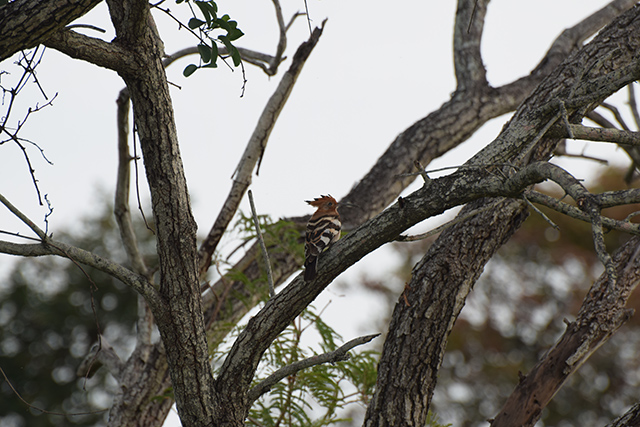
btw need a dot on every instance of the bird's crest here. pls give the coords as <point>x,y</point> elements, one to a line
<point>323,201</point>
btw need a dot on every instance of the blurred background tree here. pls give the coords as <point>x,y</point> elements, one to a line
<point>50,313</point>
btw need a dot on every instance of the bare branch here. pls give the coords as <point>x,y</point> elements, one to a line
<point>27,23</point>
<point>470,71</point>
<point>253,57</point>
<point>601,315</point>
<point>574,212</point>
<point>631,418</point>
<point>52,247</point>
<point>254,151</point>
<point>620,137</point>
<point>282,40</point>
<point>96,51</point>
<point>121,204</point>
<point>41,234</point>
<point>265,254</point>
<point>338,355</point>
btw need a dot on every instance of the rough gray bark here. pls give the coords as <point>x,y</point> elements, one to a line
<point>441,281</point>
<point>27,23</point>
<point>179,318</point>
<point>424,315</point>
<point>418,333</point>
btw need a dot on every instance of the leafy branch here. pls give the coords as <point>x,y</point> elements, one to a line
<point>206,24</point>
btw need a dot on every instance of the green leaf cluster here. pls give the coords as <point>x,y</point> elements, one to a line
<point>207,22</point>
<point>312,397</point>
<point>280,236</point>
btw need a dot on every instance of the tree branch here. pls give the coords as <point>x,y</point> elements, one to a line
<point>254,151</point>
<point>93,50</point>
<point>27,23</point>
<point>121,204</point>
<point>471,74</point>
<point>52,247</point>
<point>601,315</point>
<point>41,234</point>
<point>443,278</point>
<point>617,136</point>
<point>573,212</point>
<point>631,418</point>
<point>427,139</point>
<point>338,355</point>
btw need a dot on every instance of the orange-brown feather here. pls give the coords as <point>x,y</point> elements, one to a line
<point>323,230</point>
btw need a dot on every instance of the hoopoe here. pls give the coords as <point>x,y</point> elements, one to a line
<point>323,229</point>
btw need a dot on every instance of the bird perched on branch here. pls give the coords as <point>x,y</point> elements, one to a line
<point>323,229</point>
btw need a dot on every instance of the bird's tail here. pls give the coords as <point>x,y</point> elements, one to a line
<point>310,265</point>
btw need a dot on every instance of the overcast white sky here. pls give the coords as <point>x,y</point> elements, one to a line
<point>376,70</point>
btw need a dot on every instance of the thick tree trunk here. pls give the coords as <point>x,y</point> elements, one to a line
<point>428,308</point>
<point>179,317</point>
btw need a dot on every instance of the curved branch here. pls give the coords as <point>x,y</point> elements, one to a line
<point>93,50</point>
<point>52,247</point>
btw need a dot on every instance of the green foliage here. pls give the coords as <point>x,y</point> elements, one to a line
<point>316,396</point>
<point>208,23</point>
<point>279,236</point>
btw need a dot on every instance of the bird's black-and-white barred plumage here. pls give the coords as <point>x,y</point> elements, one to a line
<point>323,229</point>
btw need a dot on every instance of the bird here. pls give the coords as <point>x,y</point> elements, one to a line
<point>323,229</point>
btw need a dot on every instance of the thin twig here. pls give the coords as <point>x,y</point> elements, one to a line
<point>43,410</point>
<point>574,212</point>
<point>459,167</point>
<point>306,8</point>
<point>256,223</point>
<point>337,355</point>
<point>539,212</point>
